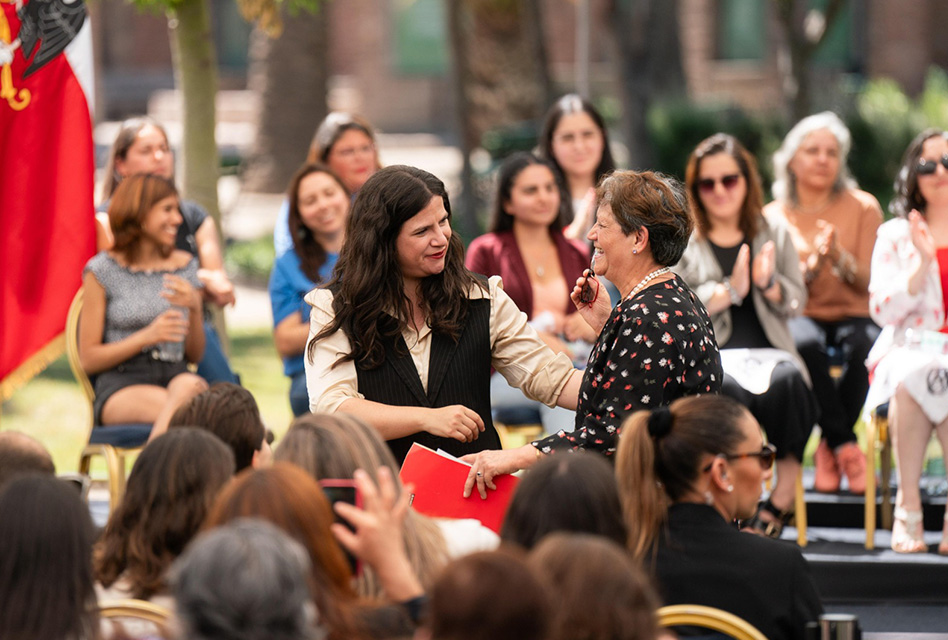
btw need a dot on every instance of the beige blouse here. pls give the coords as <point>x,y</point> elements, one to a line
<point>517,353</point>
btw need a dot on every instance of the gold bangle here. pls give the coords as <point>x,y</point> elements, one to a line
<point>538,452</point>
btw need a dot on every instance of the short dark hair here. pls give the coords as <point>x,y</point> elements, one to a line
<point>575,492</point>
<point>491,595</point>
<point>652,200</point>
<point>506,177</point>
<point>169,492</point>
<point>750,216</point>
<point>907,194</point>
<point>229,412</point>
<point>20,454</point>
<point>46,585</point>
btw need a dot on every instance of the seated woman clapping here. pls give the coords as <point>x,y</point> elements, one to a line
<point>745,270</point>
<point>908,296</point>
<point>141,319</point>
<point>686,472</point>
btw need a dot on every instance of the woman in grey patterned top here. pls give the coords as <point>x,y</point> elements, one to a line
<point>141,321</point>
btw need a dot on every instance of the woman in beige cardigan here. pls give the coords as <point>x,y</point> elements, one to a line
<point>745,271</point>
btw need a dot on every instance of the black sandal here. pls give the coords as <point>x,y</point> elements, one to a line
<point>770,528</point>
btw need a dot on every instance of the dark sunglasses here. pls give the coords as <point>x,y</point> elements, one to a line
<point>765,456</point>
<point>928,167</point>
<point>706,185</point>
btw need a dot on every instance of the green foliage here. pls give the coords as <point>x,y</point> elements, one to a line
<point>677,127</point>
<point>251,261</point>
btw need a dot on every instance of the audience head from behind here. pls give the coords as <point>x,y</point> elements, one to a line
<point>168,494</point>
<point>246,580</point>
<point>490,595</point>
<point>230,412</point>
<point>572,492</point>
<point>46,585</point>
<point>580,564</point>
<point>332,447</point>
<point>21,454</point>
<point>287,497</point>
<point>706,449</point>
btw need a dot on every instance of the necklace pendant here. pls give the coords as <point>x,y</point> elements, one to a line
<point>541,271</point>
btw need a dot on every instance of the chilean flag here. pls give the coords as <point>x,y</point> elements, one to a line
<point>47,171</point>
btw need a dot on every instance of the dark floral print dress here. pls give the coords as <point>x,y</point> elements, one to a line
<point>655,348</point>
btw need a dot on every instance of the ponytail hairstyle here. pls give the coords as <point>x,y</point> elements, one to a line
<point>660,456</point>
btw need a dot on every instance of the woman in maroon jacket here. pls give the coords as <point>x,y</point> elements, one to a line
<point>539,266</point>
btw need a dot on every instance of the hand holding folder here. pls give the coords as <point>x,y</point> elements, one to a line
<point>439,479</point>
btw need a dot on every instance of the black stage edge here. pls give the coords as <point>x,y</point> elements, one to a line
<point>845,571</point>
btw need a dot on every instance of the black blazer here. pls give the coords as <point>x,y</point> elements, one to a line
<point>701,559</point>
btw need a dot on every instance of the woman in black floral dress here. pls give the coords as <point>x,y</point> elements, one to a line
<point>656,345</point>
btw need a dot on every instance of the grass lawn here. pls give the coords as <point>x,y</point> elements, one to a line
<point>52,408</point>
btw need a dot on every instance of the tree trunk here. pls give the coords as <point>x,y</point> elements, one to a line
<point>290,73</point>
<point>195,70</point>
<point>649,50</point>
<point>465,207</point>
<point>800,42</point>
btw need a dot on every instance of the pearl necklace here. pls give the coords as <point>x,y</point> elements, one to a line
<point>641,285</point>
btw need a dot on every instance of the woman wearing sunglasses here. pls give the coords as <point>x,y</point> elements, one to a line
<point>908,295</point>
<point>833,225</point>
<point>745,271</point>
<point>686,473</point>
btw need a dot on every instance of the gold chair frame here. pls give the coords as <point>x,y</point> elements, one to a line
<point>114,456</point>
<point>708,618</point>
<point>138,610</point>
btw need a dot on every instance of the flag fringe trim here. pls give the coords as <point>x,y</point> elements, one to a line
<point>32,366</point>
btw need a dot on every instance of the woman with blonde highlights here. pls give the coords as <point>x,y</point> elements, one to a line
<point>686,472</point>
<point>333,446</point>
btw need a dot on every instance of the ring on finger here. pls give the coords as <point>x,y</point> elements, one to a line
<point>479,474</point>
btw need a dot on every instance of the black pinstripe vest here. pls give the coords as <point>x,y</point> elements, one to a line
<point>458,373</point>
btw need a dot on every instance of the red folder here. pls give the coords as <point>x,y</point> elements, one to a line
<point>439,486</point>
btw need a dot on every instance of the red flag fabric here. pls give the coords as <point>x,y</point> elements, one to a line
<point>47,173</point>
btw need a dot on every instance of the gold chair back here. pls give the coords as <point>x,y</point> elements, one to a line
<point>708,618</point>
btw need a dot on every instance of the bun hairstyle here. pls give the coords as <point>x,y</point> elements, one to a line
<point>660,422</point>
<point>660,454</point>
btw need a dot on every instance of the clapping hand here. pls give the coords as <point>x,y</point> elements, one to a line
<point>740,275</point>
<point>921,236</point>
<point>763,270</point>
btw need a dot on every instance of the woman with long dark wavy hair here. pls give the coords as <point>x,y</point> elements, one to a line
<point>170,491</point>
<point>404,336</point>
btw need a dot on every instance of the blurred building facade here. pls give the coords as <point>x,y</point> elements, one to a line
<point>390,60</point>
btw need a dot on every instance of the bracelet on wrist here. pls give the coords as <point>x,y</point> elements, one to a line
<point>736,298</point>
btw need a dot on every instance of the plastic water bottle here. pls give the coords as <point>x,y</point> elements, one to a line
<point>172,351</point>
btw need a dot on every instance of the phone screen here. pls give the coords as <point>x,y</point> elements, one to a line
<point>343,491</point>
